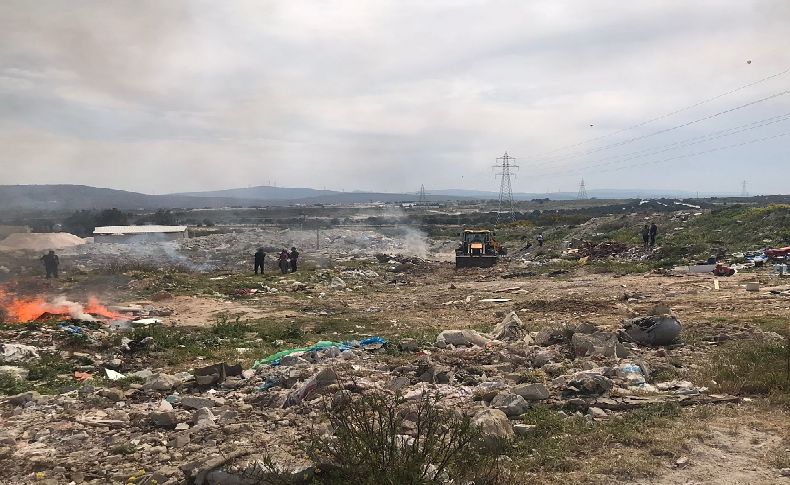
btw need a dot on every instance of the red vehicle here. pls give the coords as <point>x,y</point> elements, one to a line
<point>778,253</point>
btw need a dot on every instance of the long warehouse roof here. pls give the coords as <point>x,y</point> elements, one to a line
<point>138,229</point>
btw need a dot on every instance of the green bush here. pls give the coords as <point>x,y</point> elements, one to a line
<point>368,444</point>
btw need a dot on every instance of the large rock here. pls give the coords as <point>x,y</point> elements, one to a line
<point>195,402</point>
<point>510,329</point>
<point>590,383</point>
<point>162,382</point>
<point>164,419</point>
<point>494,428</point>
<point>10,352</point>
<point>24,398</point>
<point>598,343</point>
<point>652,329</point>
<point>532,392</point>
<point>204,418</point>
<point>551,336</point>
<point>461,338</point>
<point>510,404</point>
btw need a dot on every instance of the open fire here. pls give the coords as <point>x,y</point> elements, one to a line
<point>20,310</point>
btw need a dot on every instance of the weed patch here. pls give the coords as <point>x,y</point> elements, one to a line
<point>751,368</point>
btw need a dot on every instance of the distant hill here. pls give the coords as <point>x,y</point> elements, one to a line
<point>262,192</point>
<point>76,197</point>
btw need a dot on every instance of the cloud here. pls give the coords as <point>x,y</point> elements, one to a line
<point>387,95</point>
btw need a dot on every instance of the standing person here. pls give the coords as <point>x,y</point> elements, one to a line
<point>293,257</point>
<point>260,259</point>
<point>51,263</point>
<point>283,262</point>
<point>653,234</point>
<point>540,240</point>
<point>646,235</point>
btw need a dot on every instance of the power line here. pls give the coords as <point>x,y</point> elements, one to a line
<point>582,195</point>
<point>665,130</point>
<point>666,115</point>
<point>744,193</point>
<point>675,145</point>
<point>505,189</point>
<point>423,199</point>
<point>705,152</point>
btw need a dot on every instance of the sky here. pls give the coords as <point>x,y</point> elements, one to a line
<point>386,95</point>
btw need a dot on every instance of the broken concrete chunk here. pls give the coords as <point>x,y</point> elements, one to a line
<point>461,338</point>
<point>162,382</point>
<point>204,418</point>
<point>590,383</point>
<point>532,392</point>
<point>17,352</point>
<point>510,404</point>
<point>510,329</point>
<point>597,413</point>
<point>164,419</point>
<point>114,395</point>
<point>494,427</point>
<point>24,398</point>
<point>195,402</point>
<point>598,343</point>
<point>551,336</point>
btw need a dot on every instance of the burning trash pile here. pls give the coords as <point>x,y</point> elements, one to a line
<point>15,309</point>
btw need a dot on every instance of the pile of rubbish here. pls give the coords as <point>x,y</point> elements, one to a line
<point>172,426</point>
<point>601,250</point>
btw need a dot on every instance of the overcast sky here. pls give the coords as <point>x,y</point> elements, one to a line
<point>165,96</point>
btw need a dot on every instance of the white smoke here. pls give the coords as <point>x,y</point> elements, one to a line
<point>75,310</point>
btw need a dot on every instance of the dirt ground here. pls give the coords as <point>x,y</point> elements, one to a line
<point>410,298</point>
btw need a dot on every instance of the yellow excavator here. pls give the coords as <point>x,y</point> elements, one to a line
<point>478,249</point>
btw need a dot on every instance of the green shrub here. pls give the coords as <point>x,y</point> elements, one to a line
<point>368,444</point>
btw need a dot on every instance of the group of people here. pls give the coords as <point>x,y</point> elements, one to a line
<point>649,233</point>
<point>287,261</point>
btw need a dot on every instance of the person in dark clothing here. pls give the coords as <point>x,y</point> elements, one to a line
<point>260,259</point>
<point>653,234</point>
<point>51,263</point>
<point>284,264</point>
<point>646,235</point>
<point>540,240</point>
<point>293,257</point>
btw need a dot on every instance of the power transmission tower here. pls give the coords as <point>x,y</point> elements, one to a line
<point>505,163</point>
<point>423,200</point>
<point>582,195</point>
<point>744,193</point>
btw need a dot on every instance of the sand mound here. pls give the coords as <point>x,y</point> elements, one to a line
<point>39,241</point>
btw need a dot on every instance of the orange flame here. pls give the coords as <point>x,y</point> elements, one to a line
<point>94,307</point>
<point>25,310</point>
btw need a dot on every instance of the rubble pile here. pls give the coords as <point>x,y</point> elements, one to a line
<point>121,422</point>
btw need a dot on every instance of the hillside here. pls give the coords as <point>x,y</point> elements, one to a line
<point>262,192</point>
<point>75,197</point>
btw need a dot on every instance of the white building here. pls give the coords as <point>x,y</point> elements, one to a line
<point>130,234</point>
